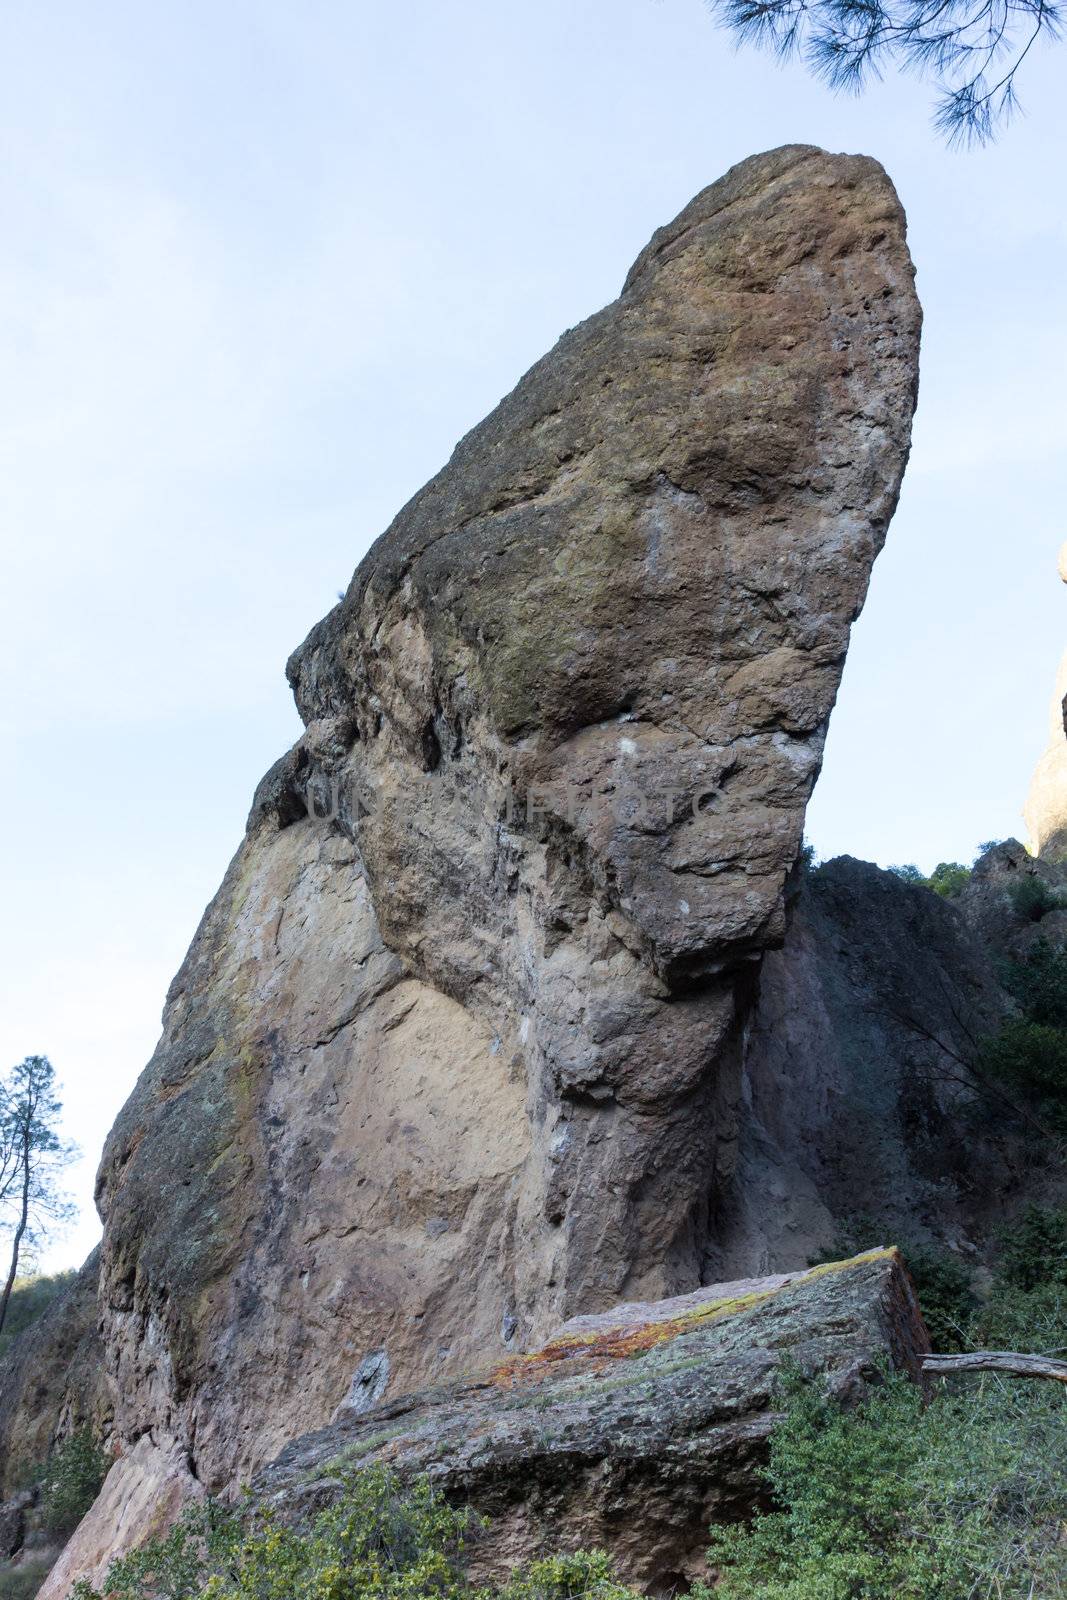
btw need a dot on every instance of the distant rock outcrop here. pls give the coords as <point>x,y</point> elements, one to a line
<point>1046,804</point>
<point>455,1053</point>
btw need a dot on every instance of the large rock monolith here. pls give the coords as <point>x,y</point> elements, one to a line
<point>454,1054</point>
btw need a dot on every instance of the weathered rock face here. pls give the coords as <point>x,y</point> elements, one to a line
<point>1046,803</point>
<point>631,1431</point>
<point>456,1057</point>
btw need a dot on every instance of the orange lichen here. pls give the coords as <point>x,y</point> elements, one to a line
<point>626,1340</point>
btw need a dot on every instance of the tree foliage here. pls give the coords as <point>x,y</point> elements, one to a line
<point>972,50</point>
<point>31,1157</point>
<point>947,878</point>
<point>1028,1054</point>
<point>71,1480</point>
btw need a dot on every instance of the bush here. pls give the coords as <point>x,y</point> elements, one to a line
<point>1029,1053</point>
<point>1033,1252</point>
<point>585,1576</point>
<point>1038,985</point>
<point>963,1498</point>
<point>381,1540</point>
<point>948,878</point>
<point>1030,1057</point>
<point>71,1481</point>
<point>1032,898</point>
<point>1031,1320</point>
<point>948,1305</point>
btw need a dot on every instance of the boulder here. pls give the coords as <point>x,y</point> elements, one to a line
<point>631,1430</point>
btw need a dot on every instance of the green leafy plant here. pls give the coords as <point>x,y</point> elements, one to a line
<point>1033,1251</point>
<point>585,1576</point>
<point>947,878</point>
<point>1030,1058</point>
<point>1038,985</point>
<point>895,1499</point>
<point>380,1540</point>
<point>1032,898</point>
<point>947,1301</point>
<point>71,1480</point>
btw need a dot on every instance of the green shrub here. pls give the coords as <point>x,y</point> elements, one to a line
<point>1032,898</point>
<point>71,1481</point>
<point>943,1286</point>
<point>1030,1058</point>
<point>963,1498</point>
<point>380,1540</point>
<point>948,878</point>
<point>1033,1251</point>
<point>1032,1320</point>
<point>585,1576</point>
<point>1038,985</point>
<point>1028,1055</point>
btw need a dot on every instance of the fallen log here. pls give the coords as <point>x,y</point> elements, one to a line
<point>1009,1361</point>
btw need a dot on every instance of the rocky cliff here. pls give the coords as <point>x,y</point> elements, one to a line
<point>460,1048</point>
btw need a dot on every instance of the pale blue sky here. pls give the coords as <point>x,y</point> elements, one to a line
<point>264,263</point>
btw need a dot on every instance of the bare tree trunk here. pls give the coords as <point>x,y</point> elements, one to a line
<point>16,1243</point>
<point>1018,1366</point>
